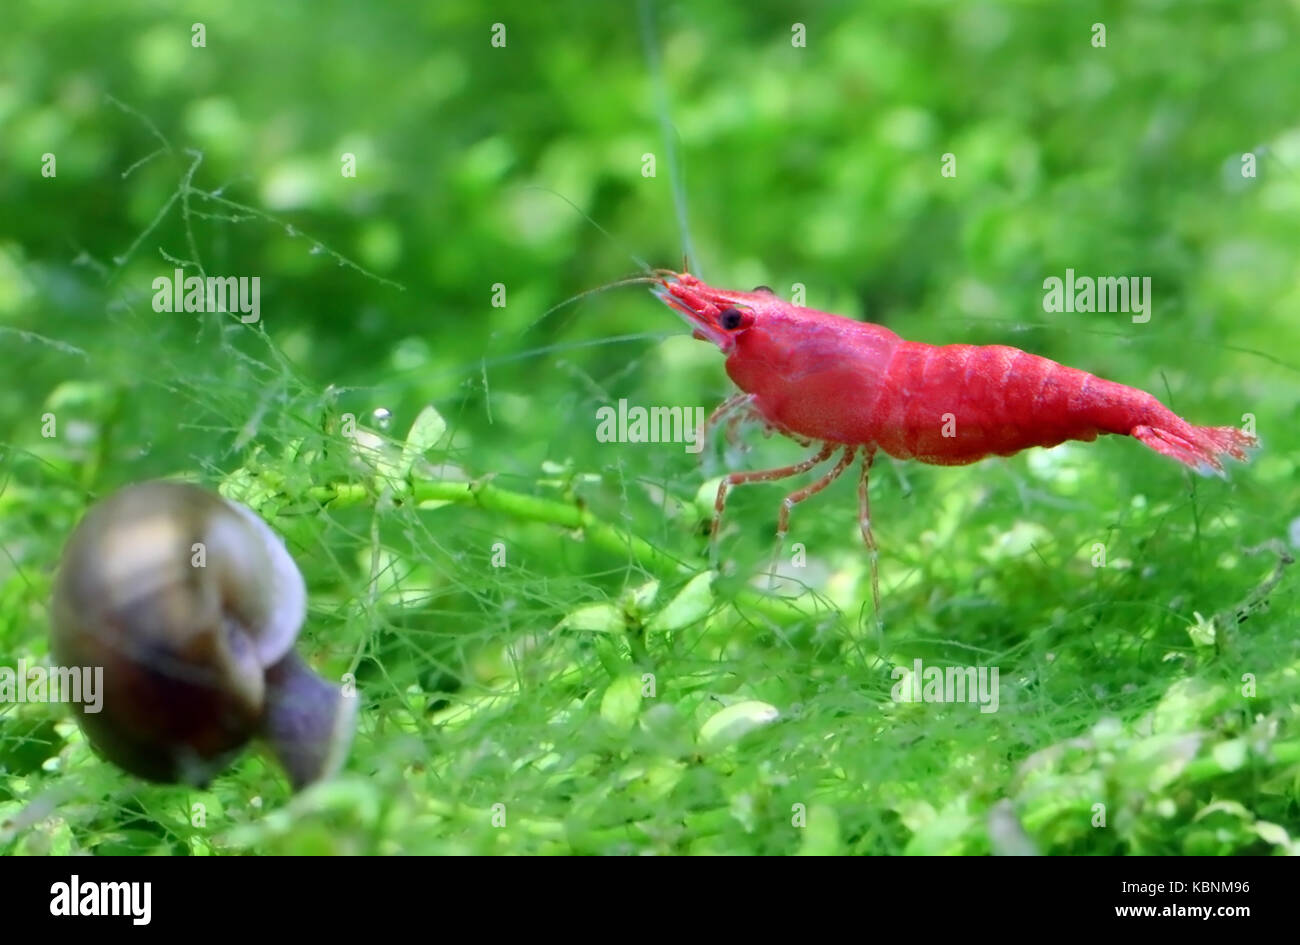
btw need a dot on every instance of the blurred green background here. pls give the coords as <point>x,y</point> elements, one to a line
<point>480,165</point>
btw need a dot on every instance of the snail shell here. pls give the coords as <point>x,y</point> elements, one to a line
<point>191,604</point>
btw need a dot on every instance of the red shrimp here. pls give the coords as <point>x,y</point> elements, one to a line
<point>856,387</point>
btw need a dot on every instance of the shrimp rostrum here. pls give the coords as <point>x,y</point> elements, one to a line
<point>853,388</point>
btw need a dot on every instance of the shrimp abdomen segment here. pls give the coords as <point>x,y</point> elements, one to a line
<point>955,404</point>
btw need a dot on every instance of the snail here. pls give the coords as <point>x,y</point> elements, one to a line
<point>191,604</point>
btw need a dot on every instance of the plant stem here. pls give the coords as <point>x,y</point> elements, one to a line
<point>572,516</point>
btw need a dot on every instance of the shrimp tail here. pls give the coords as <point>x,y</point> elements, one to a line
<point>1197,447</point>
<point>1088,405</point>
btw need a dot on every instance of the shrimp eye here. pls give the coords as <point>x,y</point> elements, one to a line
<point>766,289</point>
<point>731,319</point>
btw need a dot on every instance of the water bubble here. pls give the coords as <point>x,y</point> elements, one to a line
<point>383,417</point>
<point>1293,532</point>
<point>316,249</point>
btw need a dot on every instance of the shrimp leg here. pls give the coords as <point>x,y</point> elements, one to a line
<point>864,520</point>
<point>794,498</point>
<point>764,475</point>
<point>724,408</point>
<point>734,422</point>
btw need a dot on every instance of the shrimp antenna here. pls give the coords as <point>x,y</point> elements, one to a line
<point>670,135</point>
<point>604,232</point>
<point>638,279</point>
